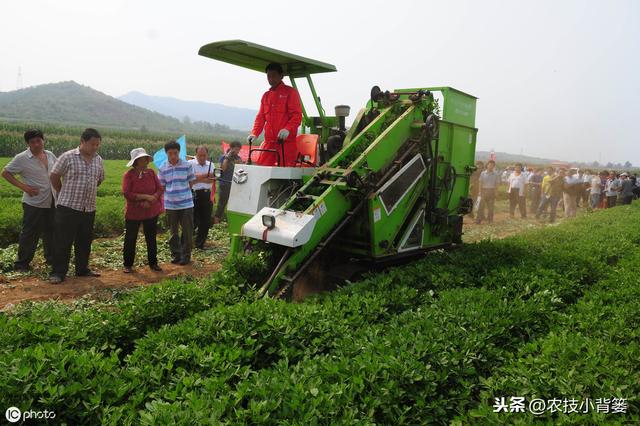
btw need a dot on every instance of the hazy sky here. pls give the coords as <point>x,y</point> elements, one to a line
<point>556,79</point>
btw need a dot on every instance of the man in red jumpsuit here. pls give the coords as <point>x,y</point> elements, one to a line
<point>280,116</point>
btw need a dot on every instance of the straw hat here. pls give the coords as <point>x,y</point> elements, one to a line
<point>137,153</point>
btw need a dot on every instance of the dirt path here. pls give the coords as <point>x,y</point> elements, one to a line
<point>504,225</point>
<point>33,288</point>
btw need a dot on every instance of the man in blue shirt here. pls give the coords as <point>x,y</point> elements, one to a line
<point>177,177</point>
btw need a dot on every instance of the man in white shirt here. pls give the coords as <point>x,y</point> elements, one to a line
<point>586,188</point>
<point>611,189</point>
<point>596,188</point>
<point>202,204</point>
<point>572,186</point>
<point>505,175</point>
<point>488,183</point>
<point>516,190</point>
<point>33,166</point>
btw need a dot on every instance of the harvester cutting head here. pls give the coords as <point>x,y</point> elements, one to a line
<point>389,188</point>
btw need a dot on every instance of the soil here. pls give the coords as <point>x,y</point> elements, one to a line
<point>100,288</point>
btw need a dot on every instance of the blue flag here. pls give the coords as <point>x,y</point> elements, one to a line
<point>160,157</point>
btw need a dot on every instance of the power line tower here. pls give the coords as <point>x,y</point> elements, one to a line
<point>19,79</point>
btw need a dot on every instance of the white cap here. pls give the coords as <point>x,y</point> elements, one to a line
<point>137,153</point>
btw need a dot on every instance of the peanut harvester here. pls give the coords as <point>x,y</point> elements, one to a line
<point>388,188</point>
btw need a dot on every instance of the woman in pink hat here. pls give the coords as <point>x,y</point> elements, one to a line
<point>143,194</point>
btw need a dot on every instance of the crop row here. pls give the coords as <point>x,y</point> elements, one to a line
<point>590,354</point>
<point>426,365</point>
<point>117,325</point>
<point>219,355</point>
<point>410,345</point>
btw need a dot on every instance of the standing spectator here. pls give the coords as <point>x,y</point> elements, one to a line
<point>176,178</point>
<point>227,163</point>
<point>636,186</point>
<point>527,172</point>
<point>488,182</point>
<point>76,176</point>
<point>626,189</point>
<point>143,195</point>
<point>474,188</point>
<point>572,186</point>
<point>586,187</point>
<point>611,189</point>
<point>506,173</point>
<point>535,189</point>
<point>545,193</point>
<point>596,190</point>
<point>604,176</point>
<point>38,204</point>
<point>202,204</point>
<point>579,178</point>
<point>516,192</point>
<point>556,185</point>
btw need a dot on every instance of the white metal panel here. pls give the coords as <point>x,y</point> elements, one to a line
<point>292,229</point>
<point>417,220</point>
<point>252,195</point>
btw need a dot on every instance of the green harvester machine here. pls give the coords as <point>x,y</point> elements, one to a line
<point>391,187</point>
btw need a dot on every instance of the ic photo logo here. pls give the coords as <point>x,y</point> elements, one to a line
<point>13,414</point>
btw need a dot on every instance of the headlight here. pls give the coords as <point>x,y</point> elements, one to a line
<point>269,221</point>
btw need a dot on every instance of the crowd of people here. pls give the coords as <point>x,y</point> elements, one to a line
<point>59,201</point>
<point>548,189</point>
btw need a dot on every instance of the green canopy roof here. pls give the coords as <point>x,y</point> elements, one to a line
<point>256,57</point>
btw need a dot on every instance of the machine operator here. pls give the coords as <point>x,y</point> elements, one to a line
<point>280,116</point>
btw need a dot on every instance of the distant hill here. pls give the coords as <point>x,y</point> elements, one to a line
<point>236,118</point>
<point>74,104</point>
<point>504,157</point>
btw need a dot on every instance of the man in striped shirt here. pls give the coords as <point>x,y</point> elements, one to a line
<point>177,177</point>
